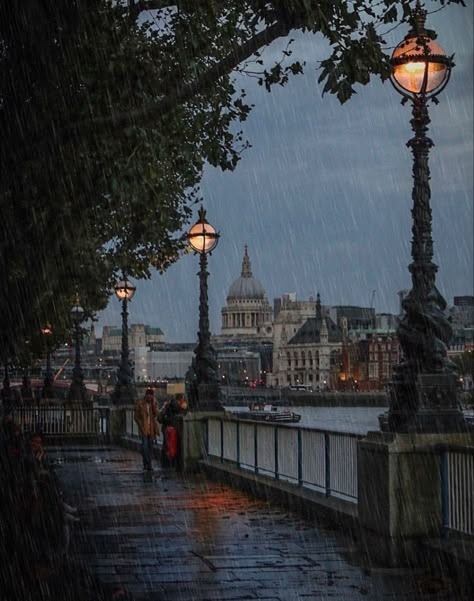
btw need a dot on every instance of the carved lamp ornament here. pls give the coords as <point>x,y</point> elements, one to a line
<point>420,65</point>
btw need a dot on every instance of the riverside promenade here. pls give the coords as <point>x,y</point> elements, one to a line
<point>189,539</point>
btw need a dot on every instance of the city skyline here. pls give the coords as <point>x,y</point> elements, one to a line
<point>323,196</point>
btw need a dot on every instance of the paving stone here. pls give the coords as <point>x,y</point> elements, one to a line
<point>188,539</point>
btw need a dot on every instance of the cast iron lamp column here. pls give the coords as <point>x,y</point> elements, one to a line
<point>124,393</point>
<point>424,388</point>
<point>203,389</point>
<point>48,392</point>
<point>6,390</point>
<point>77,390</point>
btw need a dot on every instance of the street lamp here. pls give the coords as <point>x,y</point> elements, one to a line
<point>203,390</point>
<point>48,392</point>
<point>77,390</point>
<point>124,392</point>
<point>423,390</point>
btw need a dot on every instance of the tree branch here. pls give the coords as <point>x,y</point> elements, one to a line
<point>184,92</point>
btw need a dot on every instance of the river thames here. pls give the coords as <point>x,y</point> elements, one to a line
<point>356,420</point>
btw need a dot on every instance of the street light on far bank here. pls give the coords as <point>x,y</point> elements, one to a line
<point>47,391</point>
<point>424,388</point>
<point>77,390</point>
<point>124,392</point>
<point>203,385</point>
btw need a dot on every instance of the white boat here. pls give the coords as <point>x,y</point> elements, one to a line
<point>268,413</point>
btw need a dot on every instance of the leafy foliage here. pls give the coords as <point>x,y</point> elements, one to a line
<point>109,112</point>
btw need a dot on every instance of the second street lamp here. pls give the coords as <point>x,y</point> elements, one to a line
<point>124,392</point>
<point>48,391</point>
<point>77,390</point>
<point>204,388</point>
<point>424,388</point>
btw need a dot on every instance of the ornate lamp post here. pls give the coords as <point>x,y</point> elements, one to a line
<point>77,390</point>
<point>203,387</point>
<point>48,392</point>
<point>423,391</point>
<point>124,392</point>
<point>6,390</point>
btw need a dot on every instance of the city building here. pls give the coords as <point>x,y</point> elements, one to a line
<point>355,318</point>
<point>139,335</point>
<point>384,352</point>
<point>307,346</point>
<point>162,365</point>
<point>239,367</point>
<point>461,314</point>
<point>247,312</point>
<point>386,321</point>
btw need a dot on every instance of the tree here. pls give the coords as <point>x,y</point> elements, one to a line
<point>109,113</point>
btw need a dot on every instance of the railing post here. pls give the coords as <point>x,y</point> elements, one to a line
<point>444,468</point>
<point>327,465</point>
<point>238,444</point>
<point>300,458</point>
<point>276,452</point>
<point>222,440</point>
<point>255,447</point>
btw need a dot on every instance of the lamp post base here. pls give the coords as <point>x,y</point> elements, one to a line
<point>123,394</point>
<point>77,392</point>
<point>208,398</point>
<point>426,403</point>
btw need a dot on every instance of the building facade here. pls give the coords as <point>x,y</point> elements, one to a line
<point>152,366</point>
<point>307,346</point>
<point>139,335</point>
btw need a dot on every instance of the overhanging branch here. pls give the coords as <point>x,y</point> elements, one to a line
<point>182,92</point>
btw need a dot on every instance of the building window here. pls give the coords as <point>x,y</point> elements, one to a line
<point>373,371</point>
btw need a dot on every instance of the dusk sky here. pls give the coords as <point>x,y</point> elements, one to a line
<point>323,197</point>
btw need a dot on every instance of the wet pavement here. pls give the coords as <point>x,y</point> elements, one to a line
<point>189,539</point>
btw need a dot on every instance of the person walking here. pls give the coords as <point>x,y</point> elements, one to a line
<point>168,418</point>
<point>146,413</point>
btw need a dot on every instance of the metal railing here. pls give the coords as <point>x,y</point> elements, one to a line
<point>315,459</point>
<point>63,421</point>
<point>457,489</point>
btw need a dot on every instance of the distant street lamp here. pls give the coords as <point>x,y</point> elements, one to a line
<point>48,391</point>
<point>124,392</point>
<point>77,390</point>
<point>424,391</point>
<point>203,390</point>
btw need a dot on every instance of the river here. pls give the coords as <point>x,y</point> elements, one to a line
<point>355,420</point>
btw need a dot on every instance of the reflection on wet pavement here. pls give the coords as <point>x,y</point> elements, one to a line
<point>189,539</point>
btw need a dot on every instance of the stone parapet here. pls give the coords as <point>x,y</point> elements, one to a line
<point>399,482</point>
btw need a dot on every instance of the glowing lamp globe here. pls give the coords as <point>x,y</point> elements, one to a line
<point>124,290</point>
<point>202,237</point>
<point>77,313</point>
<point>420,66</point>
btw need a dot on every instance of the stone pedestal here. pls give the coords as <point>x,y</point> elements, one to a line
<point>118,423</point>
<point>399,482</point>
<point>426,403</point>
<point>193,439</point>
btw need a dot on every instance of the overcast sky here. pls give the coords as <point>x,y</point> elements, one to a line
<point>323,197</point>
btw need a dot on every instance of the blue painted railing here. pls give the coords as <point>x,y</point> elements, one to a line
<point>320,460</point>
<point>457,489</point>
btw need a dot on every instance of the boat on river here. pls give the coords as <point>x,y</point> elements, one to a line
<point>268,413</point>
